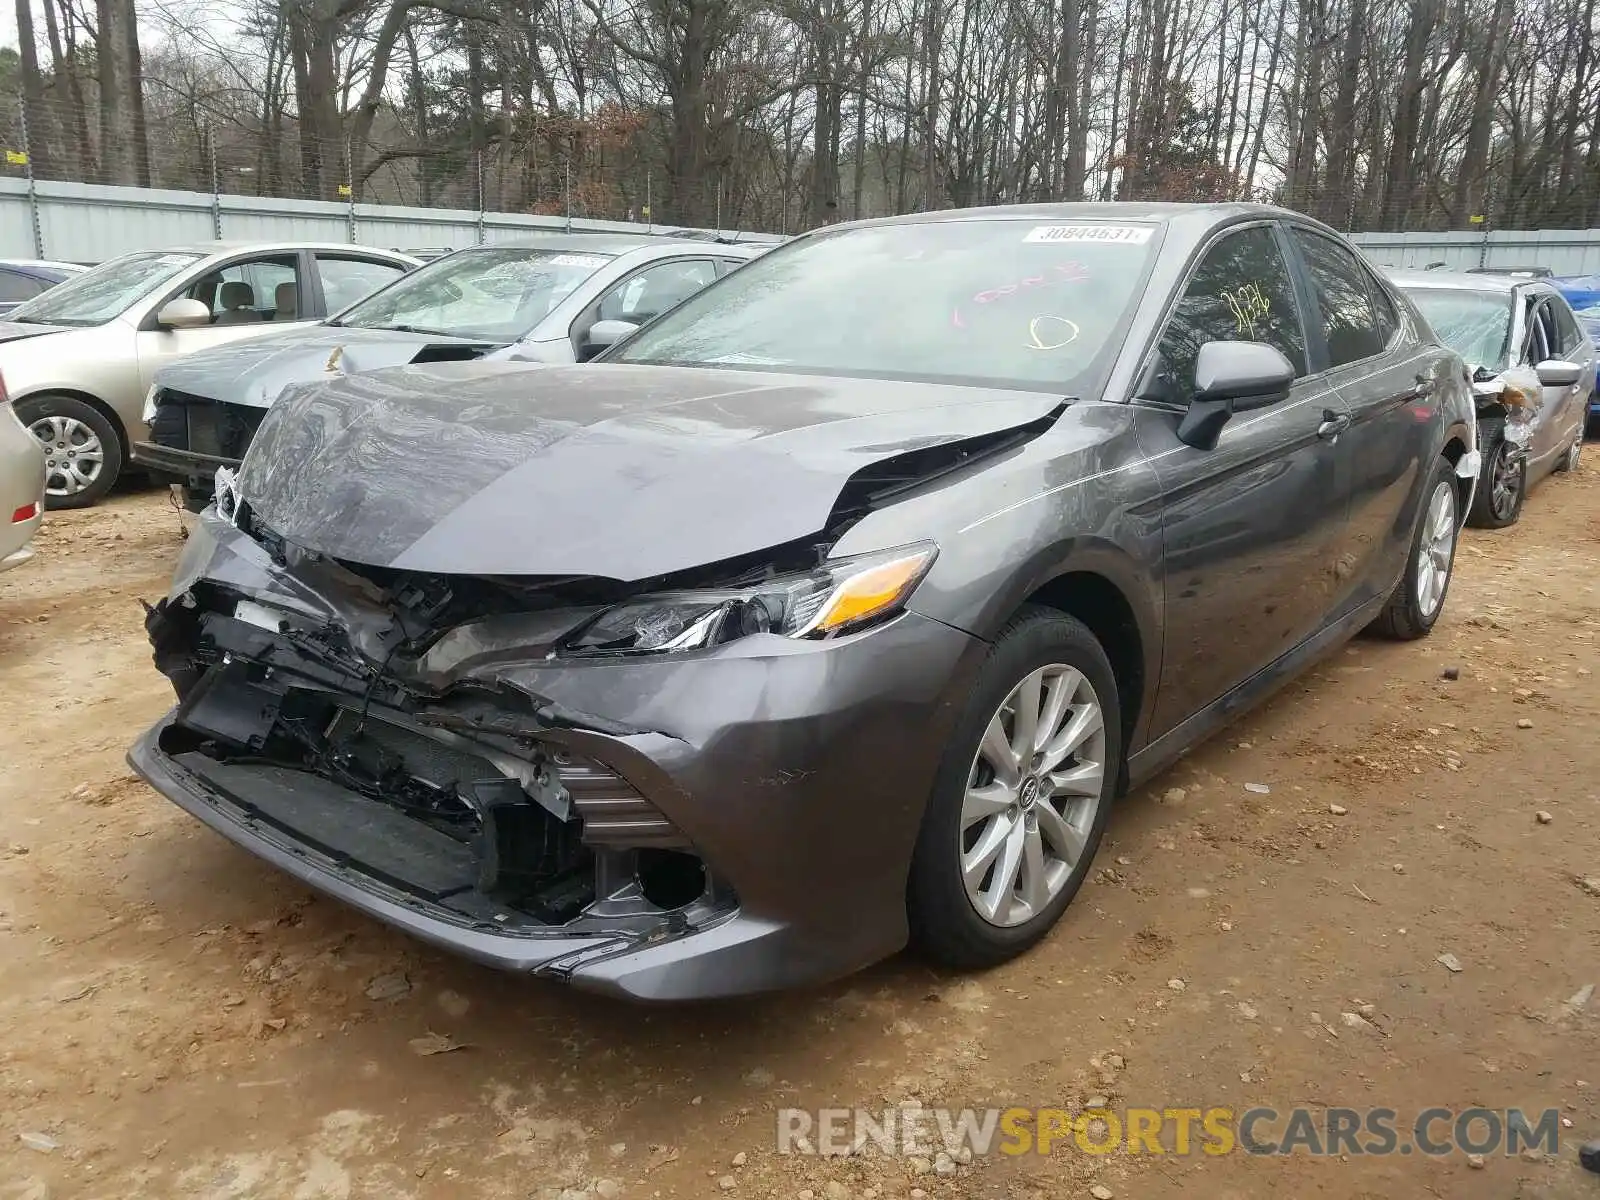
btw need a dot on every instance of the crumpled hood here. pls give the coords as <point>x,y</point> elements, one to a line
<point>255,371</point>
<point>14,331</point>
<point>625,472</point>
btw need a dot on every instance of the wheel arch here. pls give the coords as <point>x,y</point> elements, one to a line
<point>93,401</point>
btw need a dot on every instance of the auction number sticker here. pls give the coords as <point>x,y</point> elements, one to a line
<point>1130,234</point>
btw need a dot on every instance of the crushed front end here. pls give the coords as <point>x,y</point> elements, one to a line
<point>416,746</point>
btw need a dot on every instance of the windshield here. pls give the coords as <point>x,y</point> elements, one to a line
<point>494,294</point>
<point>103,293</point>
<point>1000,302</point>
<point>1476,325</point>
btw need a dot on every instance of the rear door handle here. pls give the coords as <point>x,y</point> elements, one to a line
<point>1333,424</point>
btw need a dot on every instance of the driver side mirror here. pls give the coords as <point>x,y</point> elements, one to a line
<point>1557,373</point>
<point>603,334</point>
<point>1232,377</point>
<point>183,313</point>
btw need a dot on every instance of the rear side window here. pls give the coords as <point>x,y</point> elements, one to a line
<point>1240,291</point>
<point>1388,321</point>
<point>1349,324</point>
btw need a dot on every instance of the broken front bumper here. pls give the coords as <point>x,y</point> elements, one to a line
<point>796,772</point>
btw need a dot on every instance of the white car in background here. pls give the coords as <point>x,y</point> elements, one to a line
<point>79,359</point>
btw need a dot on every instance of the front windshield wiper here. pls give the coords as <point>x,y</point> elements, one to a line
<point>410,329</point>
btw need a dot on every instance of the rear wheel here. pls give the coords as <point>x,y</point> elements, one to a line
<point>82,450</point>
<point>1022,795</point>
<point>1502,486</point>
<point>1418,598</point>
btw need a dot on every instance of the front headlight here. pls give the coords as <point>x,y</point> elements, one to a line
<point>148,412</point>
<point>839,597</point>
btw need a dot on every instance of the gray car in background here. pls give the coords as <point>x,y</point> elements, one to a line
<point>556,299</point>
<point>1507,326</point>
<point>78,360</point>
<point>834,612</point>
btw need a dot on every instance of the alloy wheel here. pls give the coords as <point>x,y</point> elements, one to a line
<point>1436,548</point>
<point>1033,792</point>
<point>73,454</point>
<point>1574,453</point>
<point>1506,483</point>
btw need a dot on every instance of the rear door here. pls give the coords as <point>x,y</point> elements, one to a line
<point>1251,527</point>
<point>1387,380</point>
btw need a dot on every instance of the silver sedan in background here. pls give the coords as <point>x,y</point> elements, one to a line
<point>80,358</point>
<point>1511,328</point>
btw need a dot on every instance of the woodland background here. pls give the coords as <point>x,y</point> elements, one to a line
<point>785,114</point>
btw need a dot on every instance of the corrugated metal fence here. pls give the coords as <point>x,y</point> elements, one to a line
<point>88,223</point>
<point>1564,251</point>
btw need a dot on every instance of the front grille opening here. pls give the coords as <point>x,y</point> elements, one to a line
<point>670,878</point>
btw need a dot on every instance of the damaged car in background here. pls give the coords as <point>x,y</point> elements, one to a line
<point>1533,375</point>
<point>832,614</point>
<point>560,298</point>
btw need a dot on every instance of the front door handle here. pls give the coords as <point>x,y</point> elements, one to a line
<point>1333,424</point>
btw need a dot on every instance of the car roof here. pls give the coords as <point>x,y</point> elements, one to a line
<point>1117,210</point>
<point>603,243</point>
<point>207,249</point>
<point>42,266</point>
<point>1460,281</point>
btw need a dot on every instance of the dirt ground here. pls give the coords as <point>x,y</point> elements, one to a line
<point>180,1020</point>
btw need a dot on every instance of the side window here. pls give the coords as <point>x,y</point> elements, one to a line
<point>346,280</point>
<point>1573,339</point>
<point>1240,291</point>
<point>244,293</point>
<point>1538,346</point>
<point>1383,311</point>
<point>1339,282</point>
<point>16,287</point>
<point>655,289</point>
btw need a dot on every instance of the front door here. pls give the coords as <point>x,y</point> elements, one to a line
<point>248,298</point>
<point>1252,527</point>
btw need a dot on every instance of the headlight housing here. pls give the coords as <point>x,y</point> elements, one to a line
<point>148,412</point>
<point>839,597</point>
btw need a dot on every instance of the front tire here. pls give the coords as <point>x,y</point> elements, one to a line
<point>1021,797</point>
<point>83,451</point>
<point>1502,486</point>
<point>1418,598</point>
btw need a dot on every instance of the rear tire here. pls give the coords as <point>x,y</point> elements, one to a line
<point>1502,484</point>
<point>1002,852</point>
<point>83,451</point>
<point>1419,597</point>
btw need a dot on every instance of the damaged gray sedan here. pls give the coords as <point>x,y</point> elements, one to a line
<point>832,614</point>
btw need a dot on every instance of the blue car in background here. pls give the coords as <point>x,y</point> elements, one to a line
<point>1583,293</point>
